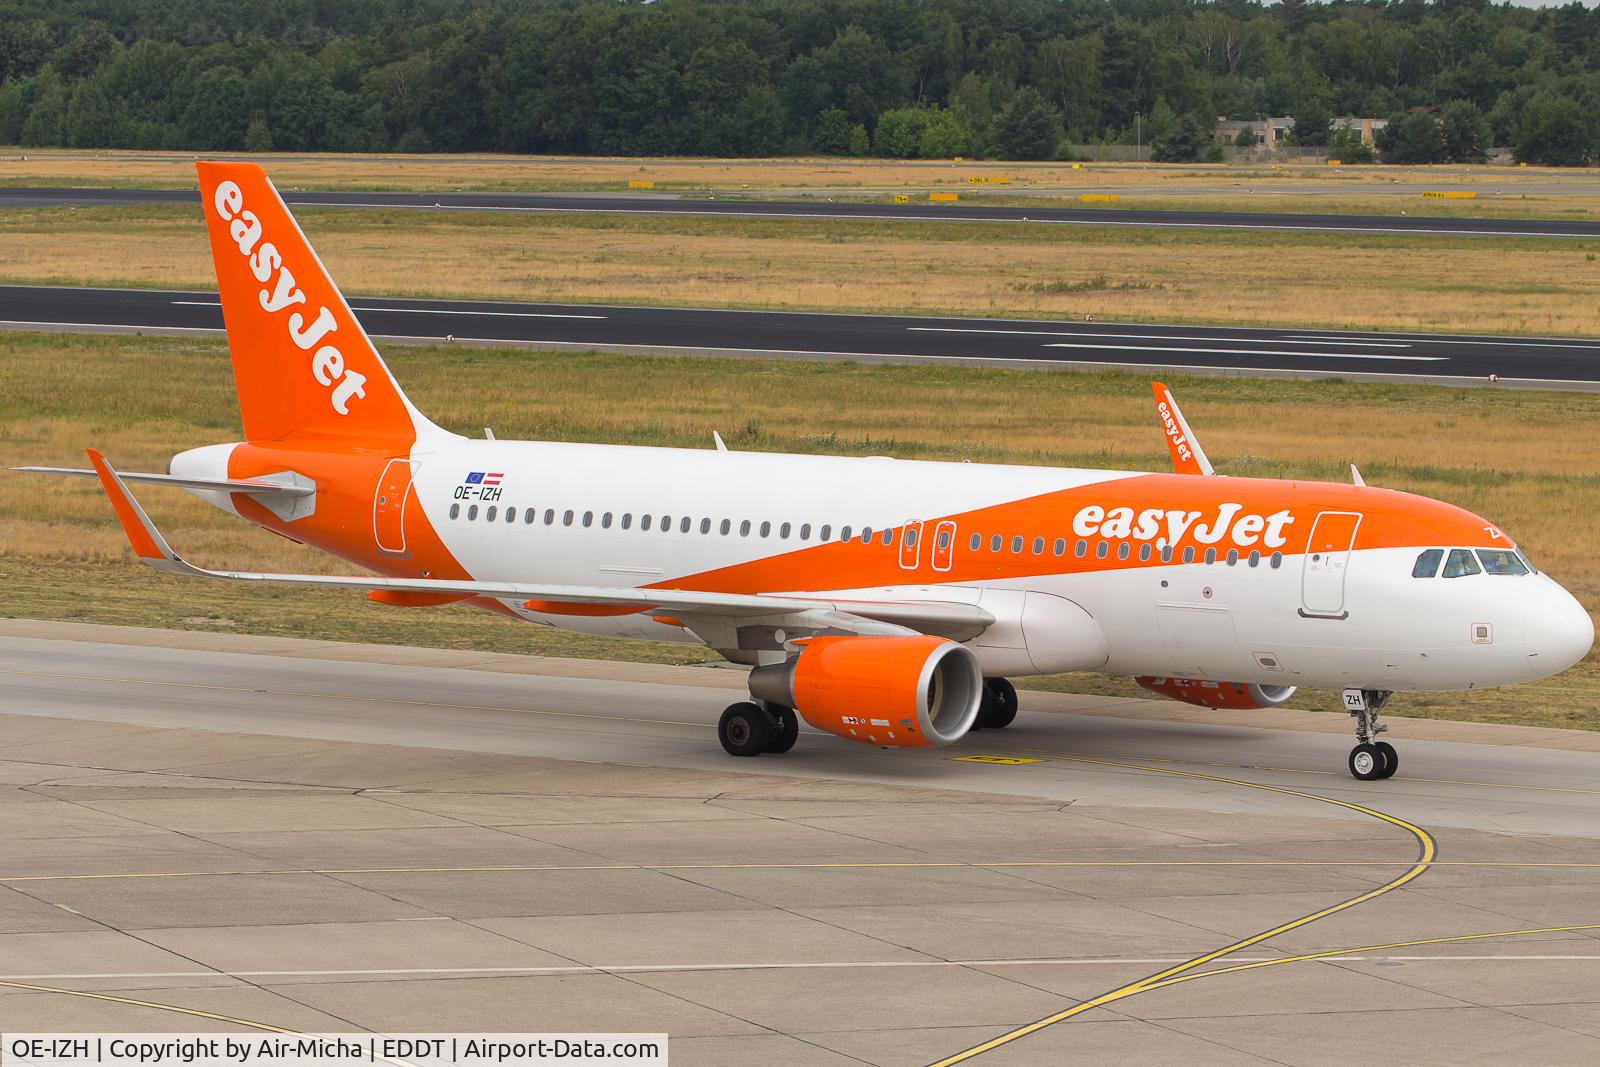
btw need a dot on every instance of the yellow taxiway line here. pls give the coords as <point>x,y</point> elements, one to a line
<point>1427,846</point>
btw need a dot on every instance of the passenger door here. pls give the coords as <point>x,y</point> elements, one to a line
<point>1322,576</point>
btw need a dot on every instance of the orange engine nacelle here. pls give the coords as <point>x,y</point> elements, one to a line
<point>1231,696</point>
<point>905,692</point>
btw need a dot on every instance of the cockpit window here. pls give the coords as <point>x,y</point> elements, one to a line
<point>1526,562</point>
<point>1460,563</point>
<point>1501,561</point>
<point>1427,564</point>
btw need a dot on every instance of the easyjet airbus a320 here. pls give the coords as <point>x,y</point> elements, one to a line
<point>883,601</point>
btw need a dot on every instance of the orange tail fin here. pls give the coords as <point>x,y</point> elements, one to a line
<point>302,363</point>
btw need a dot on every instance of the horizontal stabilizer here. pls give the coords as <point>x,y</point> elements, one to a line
<point>221,485</point>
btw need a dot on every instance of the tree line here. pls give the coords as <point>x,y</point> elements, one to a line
<point>901,78</point>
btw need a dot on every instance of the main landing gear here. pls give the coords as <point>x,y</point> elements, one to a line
<point>999,706</point>
<point>750,728</point>
<point>1370,760</point>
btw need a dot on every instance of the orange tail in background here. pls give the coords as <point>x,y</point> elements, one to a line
<point>303,365</point>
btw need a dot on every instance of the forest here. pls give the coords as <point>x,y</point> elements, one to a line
<point>1018,79</point>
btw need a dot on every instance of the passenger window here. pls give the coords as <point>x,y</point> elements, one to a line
<point>805,531</point>
<point>627,520</point>
<point>1277,560</point>
<point>511,514</point>
<point>455,510</point>
<point>744,528</point>
<point>530,515</point>
<point>1460,563</point>
<point>666,524</point>
<point>705,526</point>
<point>1123,549</point>
<point>1060,546</point>
<point>1038,546</point>
<point>1102,549</point>
<point>1500,561</point>
<point>645,520</point>
<point>1144,552</point>
<point>684,523</point>
<point>822,534</point>
<point>1255,558</point>
<point>766,529</point>
<point>866,535</point>
<point>1427,565</point>
<point>887,537</point>
<point>944,539</point>
<point>1211,555</point>
<point>605,521</point>
<point>472,513</point>
<point>976,543</point>
<point>588,518</point>
<point>995,542</point>
<point>1188,554</point>
<point>1016,544</point>
<point>783,531</point>
<point>727,524</point>
<point>844,533</point>
<point>1082,549</point>
<point>489,515</point>
<point>1166,553</point>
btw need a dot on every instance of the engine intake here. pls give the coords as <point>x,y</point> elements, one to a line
<point>1232,696</point>
<point>903,692</point>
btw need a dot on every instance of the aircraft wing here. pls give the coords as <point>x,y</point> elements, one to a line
<point>1187,455</point>
<point>945,618</point>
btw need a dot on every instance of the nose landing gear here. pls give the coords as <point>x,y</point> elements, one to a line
<point>1370,760</point>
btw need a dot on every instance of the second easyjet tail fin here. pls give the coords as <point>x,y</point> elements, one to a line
<point>302,363</point>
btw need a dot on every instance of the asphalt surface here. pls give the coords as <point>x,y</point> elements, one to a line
<point>812,208</point>
<point>1464,359</point>
<point>328,838</point>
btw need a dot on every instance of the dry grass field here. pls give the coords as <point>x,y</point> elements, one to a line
<point>1328,280</point>
<point>1295,187</point>
<point>1527,460</point>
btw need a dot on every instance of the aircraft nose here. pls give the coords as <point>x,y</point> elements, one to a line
<point>1559,632</point>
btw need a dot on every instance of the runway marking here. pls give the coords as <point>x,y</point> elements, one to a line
<point>1427,851</point>
<point>1165,337</point>
<point>1251,352</point>
<point>865,865</point>
<point>1354,955</point>
<point>1252,965</point>
<point>1510,343</point>
<point>1005,761</point>
<point>196,1012</point>
<point>429,311</point>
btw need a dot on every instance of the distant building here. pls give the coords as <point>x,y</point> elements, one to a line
<point>1274,132</point>
<point>1269,132</point>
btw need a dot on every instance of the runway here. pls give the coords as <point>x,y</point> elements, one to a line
<point>812,208</point>
<point>319,837</point>
<point>1449,359</point>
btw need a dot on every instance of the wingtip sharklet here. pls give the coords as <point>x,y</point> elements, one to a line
<point>1187,455</point>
